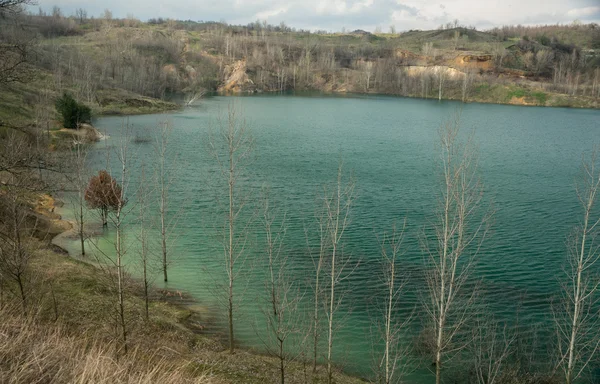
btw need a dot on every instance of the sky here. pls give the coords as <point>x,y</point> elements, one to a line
<point>336,15</point>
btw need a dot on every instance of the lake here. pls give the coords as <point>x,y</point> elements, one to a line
<point>529,157</point>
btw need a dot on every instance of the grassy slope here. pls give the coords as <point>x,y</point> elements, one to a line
<point>19,101</point>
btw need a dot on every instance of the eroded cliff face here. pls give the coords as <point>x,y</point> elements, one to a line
<point>435,70</point>
<point>236,78</point>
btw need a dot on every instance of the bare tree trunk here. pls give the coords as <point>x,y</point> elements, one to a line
<point>16,225</point>
<point>231,153</point>
<point>231,220</point>
<point>281,362</point>
<point>282,310</point>
<point>80,180</point>
<point>161,149</point>
<point>491,348</point>
<point>317,288</point>
<point>466,84</point>
<point>578,325</point>
<point>441,76</point>
<point>81,237</point>
<point>457,241</point>
<point>389,369</point>
<point>120,277</point>
<point>337,209</point>
<point>123,156</point>
<point>163,244</point>
<point>143,239</point>
<point>104,216</point>
<point>19,253</point>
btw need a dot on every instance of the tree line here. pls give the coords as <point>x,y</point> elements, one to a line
<point>159,61</point>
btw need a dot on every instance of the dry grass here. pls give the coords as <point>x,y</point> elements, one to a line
<point>70,336</point>
<point>32,352</point>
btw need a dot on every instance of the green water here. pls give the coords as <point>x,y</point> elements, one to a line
<point>529,159</point>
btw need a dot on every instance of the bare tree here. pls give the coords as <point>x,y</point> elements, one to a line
<point>391,363</point>
<point>337,207</point>
<point>498,53</point>
<point>492,346</point>
<point>543,58</point>
<point>232,149</point>
<point>529,60</point>
<point>427,49</point>
<point>19,164</point>
<point>441,75</point>
<point>281,312</point>
<point>164,175</point>
<point>13,6</point>
<point>578,321</point>
<point>16,246</point>
<point>455,38</point>
<point>458,234</point>
<point>319,265</point>
<point>596,83</point>
<point>79,180</point>
<point>81,15</point>
<point>16,44</point>
<point>107,17</point>
<point>143,195</point>
<point>466,84</point>
<point>20,155</point>
<point>115,270</point>
<point>367,69</point>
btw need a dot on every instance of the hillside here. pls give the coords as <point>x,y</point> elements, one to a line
<point>123,66</point>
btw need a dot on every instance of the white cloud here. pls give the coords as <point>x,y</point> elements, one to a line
<point>341,7</point>
<point>583,12</point>
<point>268,14</point>
<point>332,15</point>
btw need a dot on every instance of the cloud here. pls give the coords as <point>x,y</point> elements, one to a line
<point>332,15</point>
<point>270,13</point>
<point>584,13</point>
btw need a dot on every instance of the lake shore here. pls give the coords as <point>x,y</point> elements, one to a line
<point>193,322</point>
<point>199,315</point>
<point>498,95</point>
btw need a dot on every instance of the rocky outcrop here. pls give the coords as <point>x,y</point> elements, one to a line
<point>236,79</point>
<point>408,55</point>
<point>476,58</point>
<point>478,61</point>
<point>420,70</point>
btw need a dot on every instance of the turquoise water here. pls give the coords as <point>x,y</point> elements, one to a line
<point>529,161</point>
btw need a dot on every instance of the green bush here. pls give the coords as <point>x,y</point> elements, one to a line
<point>72,112</point>
<point>544,40</point>
<point>541,97</point>
<point>518,93</point>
